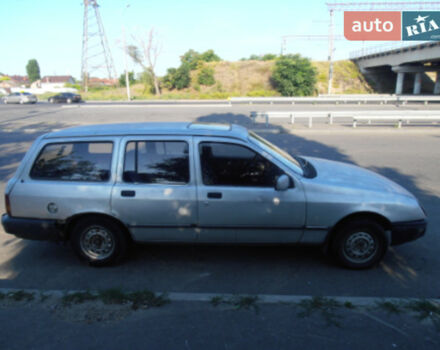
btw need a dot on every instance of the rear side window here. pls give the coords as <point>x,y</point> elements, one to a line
<point>76,161</point>
<point>156,162</point>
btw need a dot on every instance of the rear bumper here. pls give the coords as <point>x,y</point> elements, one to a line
<point>407,231</point>
<point>36,229</point>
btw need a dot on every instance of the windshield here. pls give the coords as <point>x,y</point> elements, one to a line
<point>288,159</point>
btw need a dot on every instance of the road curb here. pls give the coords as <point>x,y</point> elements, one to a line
<point>208,297</point>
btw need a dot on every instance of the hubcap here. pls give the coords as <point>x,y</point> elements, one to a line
<point>360,247</point>
<point>97,243</point>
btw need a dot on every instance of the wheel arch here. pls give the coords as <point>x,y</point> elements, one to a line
<point>73,220</point>
<point>363,215</point>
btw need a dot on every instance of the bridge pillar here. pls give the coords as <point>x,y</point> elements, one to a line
<point>417,83</point>
<point>437,84</point>
<point>399,82</point>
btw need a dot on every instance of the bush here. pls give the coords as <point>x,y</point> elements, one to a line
<point>206,76</point>
<point>131,79</point>
<point>146,78</point>
<point>294,75</point>
<point>177,78</point>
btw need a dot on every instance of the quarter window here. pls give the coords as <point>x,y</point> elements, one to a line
<point>156,162</point>
<point>226,164</point>
<point>76,161</point>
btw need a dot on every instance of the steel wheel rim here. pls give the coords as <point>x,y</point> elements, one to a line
<point>360,247</point>
<point>97,243</point>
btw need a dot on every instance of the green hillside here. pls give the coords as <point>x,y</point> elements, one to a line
<point>244,78</point>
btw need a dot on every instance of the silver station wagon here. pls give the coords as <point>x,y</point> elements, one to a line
<point>103,187</point>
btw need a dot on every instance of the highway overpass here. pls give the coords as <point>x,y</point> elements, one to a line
<point>402,68</point>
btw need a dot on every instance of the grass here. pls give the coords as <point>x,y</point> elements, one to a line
<point>238,302</point>
<point>425,309</point>
<point>20,295</point>
<point>325,306</point>
<point>390,306</point>
<point>78,298</point>
<point>139,299</point>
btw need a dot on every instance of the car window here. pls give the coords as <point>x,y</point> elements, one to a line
<point>226,164</point>
<point>76,161</point>
<point>156,162</point>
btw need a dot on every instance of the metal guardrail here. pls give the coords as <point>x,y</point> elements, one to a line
<point>395,118</point>
<point>337,99</point>
<point>369,116</point>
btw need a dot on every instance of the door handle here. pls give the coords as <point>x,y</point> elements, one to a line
<point>215,195</point>
<point>128,193</point>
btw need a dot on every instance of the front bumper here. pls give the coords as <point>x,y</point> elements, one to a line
<point>407,231</point>
<point>36,229</point>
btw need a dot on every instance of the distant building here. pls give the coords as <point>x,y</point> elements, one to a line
<point>102,82</point>
<point>53,82</point>
<point>13,81</point>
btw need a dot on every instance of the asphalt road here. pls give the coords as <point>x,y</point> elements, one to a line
<point>410,156</point>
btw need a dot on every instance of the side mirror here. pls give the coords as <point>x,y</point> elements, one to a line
<point>282,183</point>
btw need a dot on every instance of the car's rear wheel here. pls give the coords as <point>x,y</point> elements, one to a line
<point>360,244</point>
<point>99,241</point>
<point>69,100</point>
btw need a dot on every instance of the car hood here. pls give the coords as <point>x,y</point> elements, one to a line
<point>340,174</point>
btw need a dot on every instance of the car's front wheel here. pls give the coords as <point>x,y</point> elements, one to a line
<point>99,241</point>
<point>360,244</point>
<point>69,100</point>
<point>51,100</point>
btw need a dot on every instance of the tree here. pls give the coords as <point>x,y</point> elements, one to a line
<point>151,49</point>
<point>193,58</point>
<point>33,70</point>
<point>168,80</point>
<point>269,57</point>
<point>209,56</point>
<point>294,75</point>
<point>182,77</point>
<point>131,79</point>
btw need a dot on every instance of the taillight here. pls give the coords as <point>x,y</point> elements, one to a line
<point>7,205</point>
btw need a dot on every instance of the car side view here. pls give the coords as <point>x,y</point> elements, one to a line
<point>20,97</point>
<point>103,187</point>
<point>64,97</point>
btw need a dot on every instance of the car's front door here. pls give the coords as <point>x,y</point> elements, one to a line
<point>155,194</point>
<point>237,200</point>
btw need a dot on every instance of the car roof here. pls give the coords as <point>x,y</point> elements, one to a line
<point>129,129</point>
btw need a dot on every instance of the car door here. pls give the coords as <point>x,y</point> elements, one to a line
<point>155,193</point>
<point>14,98</point>
<point>236,194</point>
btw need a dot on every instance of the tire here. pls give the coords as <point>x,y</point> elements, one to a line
<point>21,102</point>
<point>5,101</point>
<point>69,100</point>
<point>51,100</point>
<point>360,244</point>
<point>89,236</point>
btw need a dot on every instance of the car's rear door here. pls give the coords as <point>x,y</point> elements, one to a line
<point>237,200</point>
<point>155,193</point>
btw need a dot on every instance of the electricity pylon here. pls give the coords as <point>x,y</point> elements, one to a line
<point>96,55</point>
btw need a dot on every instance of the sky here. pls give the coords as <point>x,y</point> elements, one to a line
<point>51,31</point>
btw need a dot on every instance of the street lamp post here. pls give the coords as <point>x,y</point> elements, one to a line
<point>127,80</point>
